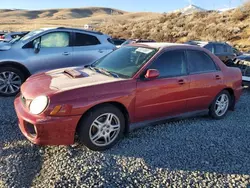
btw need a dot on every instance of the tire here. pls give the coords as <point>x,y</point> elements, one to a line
<point>13,88</point>
<point>214,107</point>
<point>86,128</point>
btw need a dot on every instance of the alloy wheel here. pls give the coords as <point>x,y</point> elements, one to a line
<point>221,105</point>
<point>104,129</point>
<point>10,82</point>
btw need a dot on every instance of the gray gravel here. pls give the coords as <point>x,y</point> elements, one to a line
<point>195,152</point>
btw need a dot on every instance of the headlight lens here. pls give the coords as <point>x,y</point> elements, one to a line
<point>38,105</point>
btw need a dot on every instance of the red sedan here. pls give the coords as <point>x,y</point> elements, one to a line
<point>133,86</point>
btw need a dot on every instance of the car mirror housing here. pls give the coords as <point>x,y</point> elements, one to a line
<point>152,74</point>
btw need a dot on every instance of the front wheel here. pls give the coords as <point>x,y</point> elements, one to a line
<point>101,128</point>
<point>11,80</point>
<point>220,105</point>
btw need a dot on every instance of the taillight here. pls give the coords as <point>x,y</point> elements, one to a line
<point>2,37</point>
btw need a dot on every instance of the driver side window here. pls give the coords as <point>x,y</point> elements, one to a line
<point>170,64</point>
<point>55,40</point>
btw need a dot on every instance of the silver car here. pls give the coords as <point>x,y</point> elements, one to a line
<point>11,36</point>
<point>47,49</point>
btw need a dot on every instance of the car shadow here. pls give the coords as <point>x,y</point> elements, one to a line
<point>20,161</point>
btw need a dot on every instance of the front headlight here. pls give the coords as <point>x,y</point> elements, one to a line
<point>38,105</point>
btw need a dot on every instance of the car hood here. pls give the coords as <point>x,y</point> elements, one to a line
<point>4,46</point>
<point>60,80</point>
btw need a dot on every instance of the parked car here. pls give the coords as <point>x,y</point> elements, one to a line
<point>47,49</point>
<point>245,57</point>
<point>243,62</point>
<point>13,35</point>
<point>237,52</point>
<point>118,42</point>
<point>117,93</point>
<point>221,49</point>
<point>132,41</point>
<point>2,33</point>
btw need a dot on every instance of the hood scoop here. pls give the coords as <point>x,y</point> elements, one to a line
<point>73,73</point>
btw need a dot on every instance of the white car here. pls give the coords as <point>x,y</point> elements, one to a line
<point>12,35</point>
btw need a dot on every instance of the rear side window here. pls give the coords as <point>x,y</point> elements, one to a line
<point>220,48</point>
<point>200,62</point>
<point>170,64</point>
<point>85,40</point>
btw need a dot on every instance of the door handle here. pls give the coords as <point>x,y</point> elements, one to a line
<point>181,82</point>
<point>217,77</point>
<point>65,53</point>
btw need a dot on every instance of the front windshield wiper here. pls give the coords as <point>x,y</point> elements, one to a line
<point>103,71</point>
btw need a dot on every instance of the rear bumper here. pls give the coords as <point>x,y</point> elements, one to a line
<point>46,130</point>
<point>246,81</point>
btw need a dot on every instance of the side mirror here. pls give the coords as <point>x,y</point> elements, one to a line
<point>152,74</point>
<point>37,47</point>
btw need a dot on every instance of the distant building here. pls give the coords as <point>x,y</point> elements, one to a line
<point>88,27</point>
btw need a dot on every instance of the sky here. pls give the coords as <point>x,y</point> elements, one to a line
<point>127,5</point>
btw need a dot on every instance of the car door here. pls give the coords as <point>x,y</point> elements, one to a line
<point>206,80</point>
<point>86,49</point>
<point>166,95</point>
<point>54,52</point>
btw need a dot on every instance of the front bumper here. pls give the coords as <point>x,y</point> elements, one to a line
<point>46,130</point>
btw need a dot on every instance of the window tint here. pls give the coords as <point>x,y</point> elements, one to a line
<point>220,48</point>
<point>229,49</point>
<point>171,64</point>
<point>55,39</point>
<point>85,40</point>
<point>199,62</point>
<point>209,47</point>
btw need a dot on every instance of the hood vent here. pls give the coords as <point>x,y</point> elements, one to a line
<point>73,73</point>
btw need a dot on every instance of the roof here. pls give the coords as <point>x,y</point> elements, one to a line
<point>75,29</point>
<point>161,44</point>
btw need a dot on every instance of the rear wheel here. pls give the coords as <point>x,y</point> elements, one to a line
<point>101,128</point>
<point>220,105</point>
<point>11,80</point>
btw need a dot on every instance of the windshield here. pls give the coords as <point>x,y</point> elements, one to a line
<point>31,34</point>
<point>126,61</point>
<point>14,40</point>
<point>126,42</point>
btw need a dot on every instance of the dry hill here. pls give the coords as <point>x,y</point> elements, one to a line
<point>231,26</point>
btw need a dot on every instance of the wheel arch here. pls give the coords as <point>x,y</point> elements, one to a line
<point>17,65</point>
<point>231,92</point>
<point>118,105</point>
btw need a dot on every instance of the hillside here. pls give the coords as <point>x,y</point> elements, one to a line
<point>232,26</point>
<point>58,13</point>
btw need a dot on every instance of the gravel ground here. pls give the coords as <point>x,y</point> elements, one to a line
<point>195,152</point>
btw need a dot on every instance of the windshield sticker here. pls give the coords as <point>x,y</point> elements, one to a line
<point>144,50</point>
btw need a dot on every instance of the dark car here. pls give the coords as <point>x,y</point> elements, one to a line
<point>243,62</point>
<point>118,42</point>
<point>221,49</point>
<point>117,93</point>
